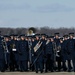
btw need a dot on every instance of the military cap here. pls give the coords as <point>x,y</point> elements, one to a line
<point>33,36</point>
<point>56,34</point>
<point>71,33</point>
<point>6,36</point>
<point>11,34</point>
<point>22,35</point>
<point>15,35</point>
<point>51,36</point>
<point>37,35</point>
<point>65,36</point>
<point>43,34</point>
<point>29,36</point>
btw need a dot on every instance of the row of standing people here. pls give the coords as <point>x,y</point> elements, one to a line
<point>37,53</point>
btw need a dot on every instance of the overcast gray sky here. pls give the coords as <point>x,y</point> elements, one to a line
<point>37,13</point>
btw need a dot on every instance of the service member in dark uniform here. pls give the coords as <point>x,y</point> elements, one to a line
<point>61,47</point>
<point>14,65</point>
<point>70,50</point>
<point>43,40</point>
<point>64,53</point>
<point>38,54</point>
<point>57,41</point>
<point>49,55</point>
<point>23,54</point>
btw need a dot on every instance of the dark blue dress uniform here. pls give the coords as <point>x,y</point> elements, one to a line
<point>2,56</point>
<point>14,56</point>
<point>64,54</point>
<point>50,57</point>
<point>70,52</point>
<point>44,51</point>
<point>57,41</point>
<point>23,55</point>
<point>39,62</point>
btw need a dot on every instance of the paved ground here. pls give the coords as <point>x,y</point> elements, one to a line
<point>33,73</point>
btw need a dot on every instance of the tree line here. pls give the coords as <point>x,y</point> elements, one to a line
<point>41,30</point>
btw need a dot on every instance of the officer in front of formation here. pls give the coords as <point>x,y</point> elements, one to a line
<point>70,51</point>
<point>23,54</point>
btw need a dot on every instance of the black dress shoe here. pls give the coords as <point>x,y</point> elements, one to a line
<point>64,69</point>
<point>52,71</point>
<point>74,70</point>
<point>36,71</point>
<point>41,71</point>
<point>2,70</point>
<point>69,70</point>
<point>26,70</point>
<point>58,71</point>
<point>21,71</point>
<point>46,71</point>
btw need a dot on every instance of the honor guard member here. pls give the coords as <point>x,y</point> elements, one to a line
<point>70,51</point>
<point>73,52</point>
<point>11,54</point>
<point>57,41</point>
<point>64,53</point>
<point>59,53</point>
<point>32,53</point>
<point>43,39</point>
<point>38,54</point>
<point>14,54</point>
<point>49,54</point>
<point>2,55</point>
<point>7,50</point>
<point>23,54</point>
<point>54,53</point>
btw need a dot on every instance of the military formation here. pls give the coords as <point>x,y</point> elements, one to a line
<point>37,53</point>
